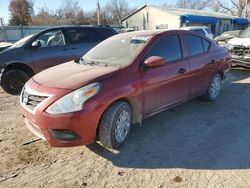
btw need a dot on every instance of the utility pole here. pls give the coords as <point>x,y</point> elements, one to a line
<point>2,29</point>
<point>98,13</point>
<point>245,11</point>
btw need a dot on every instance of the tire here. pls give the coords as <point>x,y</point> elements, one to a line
<point>110,130</point>
<point>214,88</point>
<point>13,81</point>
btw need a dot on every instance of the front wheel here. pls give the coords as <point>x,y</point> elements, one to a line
<point>13,81</point>
<point>115,125</point>
<point>214,88</point>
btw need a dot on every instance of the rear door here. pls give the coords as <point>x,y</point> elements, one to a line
<point>81,40</point>
<point>202,64</point>
<point>168,84</point>
<point>53,50</point>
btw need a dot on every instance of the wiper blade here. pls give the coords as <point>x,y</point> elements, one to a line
<point>85,62</point>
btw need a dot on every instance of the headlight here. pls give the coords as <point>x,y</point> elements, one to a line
<point>229,46</point>
<point>75,100</point>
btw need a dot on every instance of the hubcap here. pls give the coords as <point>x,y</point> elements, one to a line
<point>122,126</point>
<point>15,84</point>
<point>215,87</point>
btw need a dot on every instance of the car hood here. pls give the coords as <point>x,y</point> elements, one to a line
<point>225,37</point>
<point>240,42</point>
<point>72,75</point>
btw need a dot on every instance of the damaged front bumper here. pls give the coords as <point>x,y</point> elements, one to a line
<point>240,56</point>
<point>240,60</point>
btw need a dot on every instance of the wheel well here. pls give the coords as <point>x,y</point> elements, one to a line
<point>221,74</point>
<point>19,66</point>
<point>137,117</point>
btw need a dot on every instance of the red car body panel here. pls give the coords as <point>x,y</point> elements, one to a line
<point>148,91</point>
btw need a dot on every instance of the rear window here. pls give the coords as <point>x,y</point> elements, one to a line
<point>209,31</point>
<point>82,35</point>
<point>105,33</point>
<point>206,45</point>
<point>200,31</point>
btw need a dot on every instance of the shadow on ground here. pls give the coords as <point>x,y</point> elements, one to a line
<point>194,135</point>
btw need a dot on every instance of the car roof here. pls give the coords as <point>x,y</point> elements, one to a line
<point>152,33</point>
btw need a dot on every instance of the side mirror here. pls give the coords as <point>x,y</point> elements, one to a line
<point>36,44</point>
<point>154,61</point>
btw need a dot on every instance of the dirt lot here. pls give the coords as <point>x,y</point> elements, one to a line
<point>197,144</point>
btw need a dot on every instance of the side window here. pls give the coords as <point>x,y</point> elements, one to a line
<point>206,45</point>
<point>168,47</point>
<point>105,33</point>
<point>51,39</point>
<point>82,35</point>
<point>194,44</point>
<point>200,31</point>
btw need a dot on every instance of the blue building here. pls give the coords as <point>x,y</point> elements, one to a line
<point>154,17</point>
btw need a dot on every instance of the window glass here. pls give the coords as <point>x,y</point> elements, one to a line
<point>83,35</point>
<point>51,39</point>
<point>105,33</point>
<point>206,45</point>
<point>200,31</point>
<point>208,30</point>
<point>167,47</point>
<point>194,44</point>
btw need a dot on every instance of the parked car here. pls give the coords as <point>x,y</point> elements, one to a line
<point>4,45</point>
<point>46,49</point>
<point>222,39</point>
<point>203,30</point>
<point>240,49</point>
<point>120,82</point>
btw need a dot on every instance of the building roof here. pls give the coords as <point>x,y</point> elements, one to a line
<point>192,12</point>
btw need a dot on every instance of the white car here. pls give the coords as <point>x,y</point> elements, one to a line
<point>201,30</point>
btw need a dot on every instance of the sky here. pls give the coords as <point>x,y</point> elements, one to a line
<point>87,5</point>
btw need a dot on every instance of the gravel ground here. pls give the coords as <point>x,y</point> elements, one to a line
<point>196,144</point>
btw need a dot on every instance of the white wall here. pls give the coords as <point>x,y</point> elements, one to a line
<point>137,20</point>
<point>149,18</point>
<point>159,17</point>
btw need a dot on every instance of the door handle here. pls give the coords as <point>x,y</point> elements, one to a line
<point>182,70</point>
<point>73,48</point>
<point>65,49</point>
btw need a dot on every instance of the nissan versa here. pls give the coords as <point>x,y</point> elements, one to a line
<point>120,82</point>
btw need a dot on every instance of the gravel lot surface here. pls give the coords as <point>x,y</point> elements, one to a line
<point>196,144</point>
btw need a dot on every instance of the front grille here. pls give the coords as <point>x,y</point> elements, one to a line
<point>241,51</point>
<point>30,100</point>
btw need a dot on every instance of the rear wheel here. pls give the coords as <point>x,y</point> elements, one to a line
<point>13,81</point>
<point>214,88</point>
<point>115,125</point>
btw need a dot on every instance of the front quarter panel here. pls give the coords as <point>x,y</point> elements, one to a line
<point>126,85</point>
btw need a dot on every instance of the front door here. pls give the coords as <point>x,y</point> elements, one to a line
<point>53,50</point>
<point>168,84</point>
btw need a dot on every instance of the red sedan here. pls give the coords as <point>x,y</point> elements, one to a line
<point>120,82</point>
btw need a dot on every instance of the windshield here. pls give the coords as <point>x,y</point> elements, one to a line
<point>21,42</point>
<point>119,50</point>
<point>245,33</point>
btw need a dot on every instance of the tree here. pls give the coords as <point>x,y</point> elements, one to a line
<point>69,13</point>
<point>193,4</point>
<point>116,10</point>
<point>237,8</point>
<point>21,12</point>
